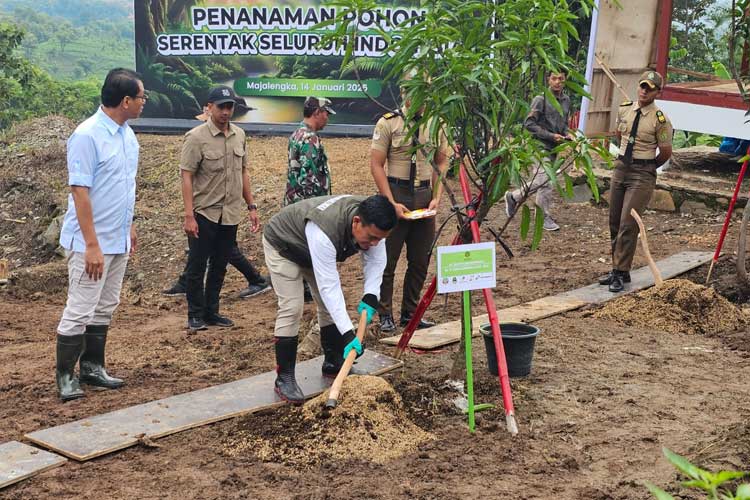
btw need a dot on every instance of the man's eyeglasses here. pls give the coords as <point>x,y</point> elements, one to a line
<point>145,97</point>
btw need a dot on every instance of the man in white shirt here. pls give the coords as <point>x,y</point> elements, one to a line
<point>305,241</point>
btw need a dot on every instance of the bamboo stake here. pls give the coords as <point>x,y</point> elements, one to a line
<point>611,76</point>
<point>644,241</point>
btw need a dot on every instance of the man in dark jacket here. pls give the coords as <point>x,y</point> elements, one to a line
<point>551,128</point>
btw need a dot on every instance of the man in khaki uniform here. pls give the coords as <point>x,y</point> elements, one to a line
<point>641,128</point>
<point>217,194</point>
<point>410,183</point>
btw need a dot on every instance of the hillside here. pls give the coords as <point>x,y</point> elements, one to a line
<point>74,39</point>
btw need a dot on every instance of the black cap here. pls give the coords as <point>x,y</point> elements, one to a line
<point>221,95</point>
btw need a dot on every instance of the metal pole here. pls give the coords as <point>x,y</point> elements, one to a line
<point>589,67</point>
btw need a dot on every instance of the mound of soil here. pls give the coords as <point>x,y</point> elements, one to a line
<point>33,187</point>
<point>676,306</point>
<point>368,424</point>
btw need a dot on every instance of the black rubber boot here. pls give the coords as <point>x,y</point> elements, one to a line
<point>92,360</point>
<point>69,348</point>
<point>333,350</point>
<point>286,360</point>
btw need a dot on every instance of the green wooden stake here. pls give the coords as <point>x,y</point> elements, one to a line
<point>469,370</point>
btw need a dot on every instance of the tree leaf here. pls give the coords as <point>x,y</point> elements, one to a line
<point>525,221</point>
<point>538,228</point>
<point>683,465</point>
<point>743,492</point>
<point>658,492</point>
<point>568,185</point>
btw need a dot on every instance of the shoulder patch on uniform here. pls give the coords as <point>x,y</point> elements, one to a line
<point>626,103</point>
<point>660,116</point>
<point>390,114</point>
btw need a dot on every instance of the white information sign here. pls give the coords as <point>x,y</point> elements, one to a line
<point>466,267</point>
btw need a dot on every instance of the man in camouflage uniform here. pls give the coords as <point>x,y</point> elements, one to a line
<point>308,175</point>
<point>642,129</point>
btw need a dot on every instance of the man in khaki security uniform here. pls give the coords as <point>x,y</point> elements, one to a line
<point>217,195</point>
<point>410,183</point>
<point>641,128</point>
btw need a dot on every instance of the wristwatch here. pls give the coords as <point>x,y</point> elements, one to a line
<point>252,206</point>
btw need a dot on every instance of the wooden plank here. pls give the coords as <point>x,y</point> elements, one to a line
<point>449,333</point>
<point>19,461</point>
<point>670,267</point>
<point>92,437</point>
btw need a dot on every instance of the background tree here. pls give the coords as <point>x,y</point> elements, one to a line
<point>27,91</point>
<point>64,35</point>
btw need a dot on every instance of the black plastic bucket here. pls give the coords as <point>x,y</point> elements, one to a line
<point>518,343</point>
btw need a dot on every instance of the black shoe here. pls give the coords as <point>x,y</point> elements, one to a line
<point>406,317</point>
<point>286,360</point>
<point>616,284</point>
<point>333,350</point>
<point>92,359</point>
<point>606,280</point>
<point>176,289</point>
<point>255,288</point>
<point>69,349</point>
<point>218,320</point>
<point>196,324</point>
<point>386,323</point>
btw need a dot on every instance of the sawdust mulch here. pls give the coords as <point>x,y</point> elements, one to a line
<point>369,424</point>
<point>676,306</point>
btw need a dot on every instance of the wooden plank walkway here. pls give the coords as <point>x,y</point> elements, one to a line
<point>20,461</point>
<point>449,333</point>
<point>92,437</point>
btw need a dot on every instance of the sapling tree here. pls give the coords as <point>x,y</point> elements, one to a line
<point>475,66</point>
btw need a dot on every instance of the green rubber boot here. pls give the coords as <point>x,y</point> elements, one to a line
<point>69,348</point>
<point>92,360</point>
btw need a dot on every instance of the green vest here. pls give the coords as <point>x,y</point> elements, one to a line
<point>332,214</point>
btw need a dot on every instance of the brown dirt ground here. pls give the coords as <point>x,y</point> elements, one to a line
<point>602,399</point>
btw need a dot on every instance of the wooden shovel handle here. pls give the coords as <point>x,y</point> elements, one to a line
<point>333,394</point>
<point>644,242</point>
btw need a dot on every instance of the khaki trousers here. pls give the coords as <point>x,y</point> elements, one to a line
<point>631,187</point>
<point>418,236</point>
<point>286,278</point>
<point>91,302</point>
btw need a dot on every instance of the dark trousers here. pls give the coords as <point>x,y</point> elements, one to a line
<point>418,236</point>
<point>236,260</point>
<point>212,248</point>
<point>631,187</point>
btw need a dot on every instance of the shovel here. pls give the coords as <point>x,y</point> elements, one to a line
<point>333,394</point>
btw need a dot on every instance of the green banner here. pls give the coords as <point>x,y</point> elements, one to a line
<point>270,52</point>
<point>298,87</point>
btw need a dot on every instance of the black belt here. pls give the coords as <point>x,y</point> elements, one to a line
<point>406,183</point>
<point>637,161</point>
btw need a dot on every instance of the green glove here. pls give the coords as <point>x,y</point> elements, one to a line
<point>368,303</point>
<point>352,342</point>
